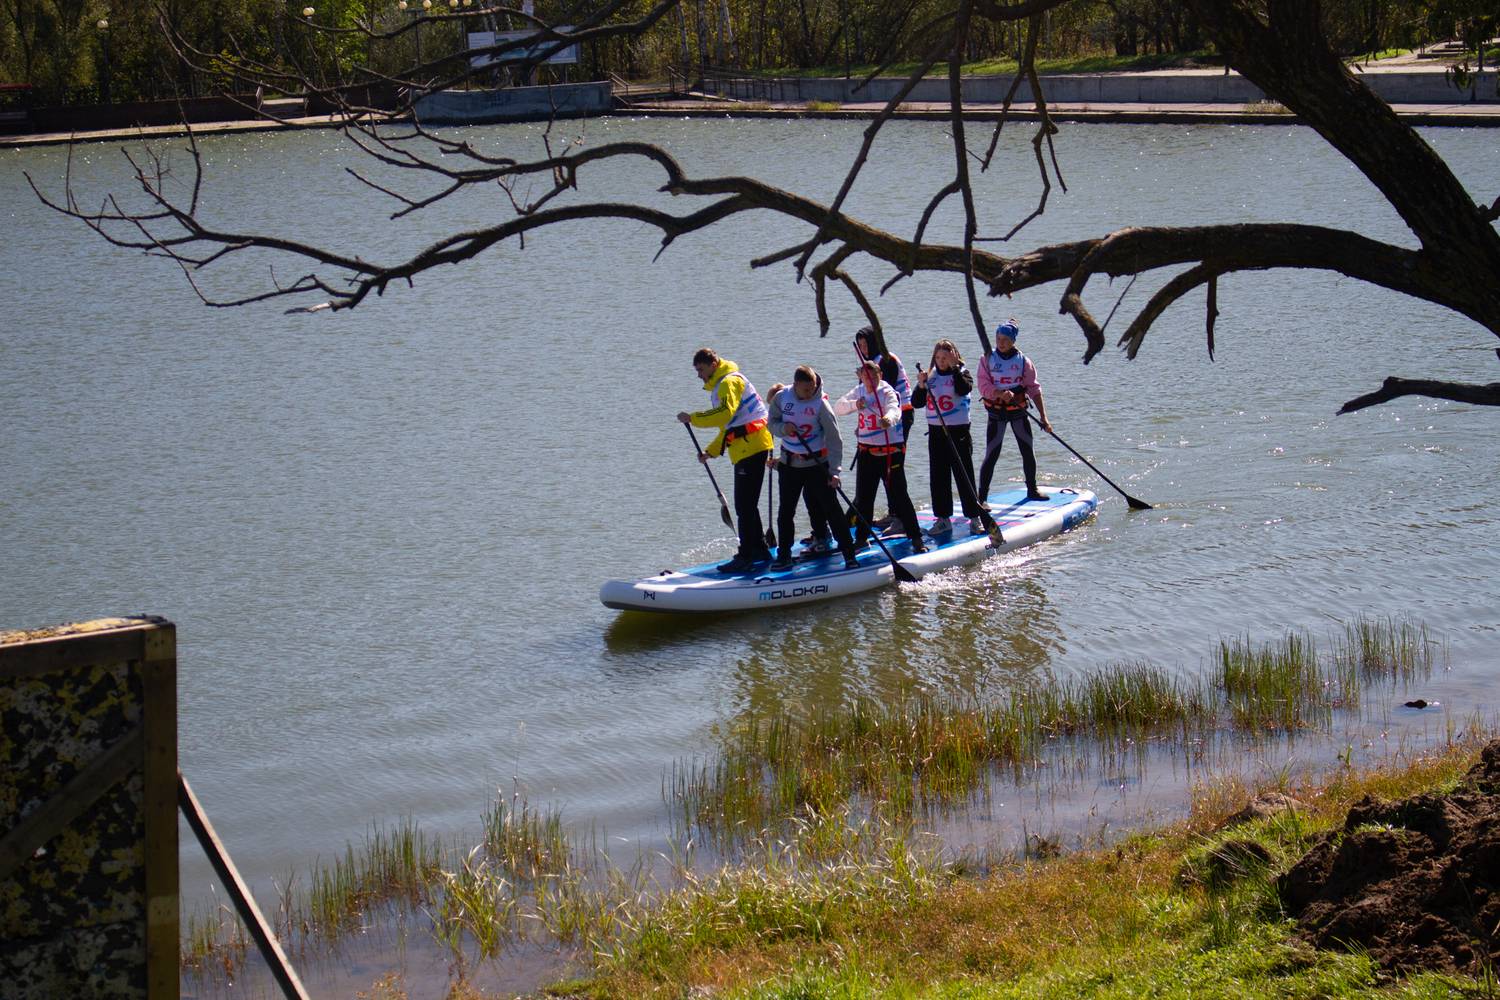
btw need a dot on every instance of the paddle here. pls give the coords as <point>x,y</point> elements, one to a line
<point>991,528</point>
<point>723,504</point>
<point>1132,501</point>
<point>902,573</point>
<point>770,505</point>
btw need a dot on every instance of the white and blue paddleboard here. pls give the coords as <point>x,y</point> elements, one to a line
<point>812,578</point>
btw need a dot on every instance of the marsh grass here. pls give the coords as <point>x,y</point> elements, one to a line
<point>214,941</point>
<point>527,842</point>
<point>1118,921</point>
<point>1277,687</point>
<point>812,816</point>
<point>922,753</point>
<point>823,105</point>
<point>1387,650</point>
<point>393,866</point>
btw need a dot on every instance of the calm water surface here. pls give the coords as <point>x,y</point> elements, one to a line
<point>381,534</point>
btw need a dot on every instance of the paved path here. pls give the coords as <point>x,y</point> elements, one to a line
<point>1455,114</point>
<point>165,131</point>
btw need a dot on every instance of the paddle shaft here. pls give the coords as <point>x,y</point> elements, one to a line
<point>723,504</point>
<point>771,498</point>
<point>990,527</point>
<point>902,573</point>
<point>1134,503</point>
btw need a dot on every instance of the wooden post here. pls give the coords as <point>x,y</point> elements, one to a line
<point>94,758</point>
<point>159,804</point>
<point>244,902</point>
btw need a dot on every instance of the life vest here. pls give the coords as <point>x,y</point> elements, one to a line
<point>940,393</point>
<point>870,433</point>
<point>750,416</point>
<point>902,385</point>
<point>803,414</point>
<point>1006,373</point>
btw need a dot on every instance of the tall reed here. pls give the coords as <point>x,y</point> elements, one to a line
<point>912,755</point>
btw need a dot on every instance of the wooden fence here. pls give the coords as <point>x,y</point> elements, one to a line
<point>89,794</point>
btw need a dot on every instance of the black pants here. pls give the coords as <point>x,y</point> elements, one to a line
<point>870,471</point>
<point>994,438</point>
<point>942,472</point>
<point>749,476</point>
<point>809,481</point>
<point>820,518</point>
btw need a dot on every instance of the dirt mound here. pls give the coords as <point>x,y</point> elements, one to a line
<point>1415,882</point>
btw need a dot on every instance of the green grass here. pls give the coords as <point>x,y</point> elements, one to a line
<point>1129,921</point>
<point>1095,62</point>
<point>814,814</point>
<point>395,865</point>
<point>925,754</point>
<point>526,842</point>
<point>214,941</point>
<point>1388,650</point>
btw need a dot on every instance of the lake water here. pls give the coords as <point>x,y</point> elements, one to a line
<point>381,533</point>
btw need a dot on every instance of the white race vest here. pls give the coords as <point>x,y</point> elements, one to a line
<point>870,432</point>
<point>751,408</point>
<point>941,399</point>
<point>802,414</point>
<point>1006,372</point>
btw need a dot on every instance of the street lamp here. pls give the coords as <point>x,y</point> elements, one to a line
<point>103,26</point>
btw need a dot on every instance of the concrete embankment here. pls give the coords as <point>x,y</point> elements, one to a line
<point>1420,97</point>
<point>1429,86</point>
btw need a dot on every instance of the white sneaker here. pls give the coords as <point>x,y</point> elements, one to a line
<point>940,525</point>
<point>976,525</point>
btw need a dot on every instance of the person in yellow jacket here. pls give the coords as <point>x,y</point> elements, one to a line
<point>740,416</point>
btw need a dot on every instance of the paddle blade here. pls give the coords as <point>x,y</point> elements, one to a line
<point>1136,504</point>
<point>902,573</point>
<point>724,515</point>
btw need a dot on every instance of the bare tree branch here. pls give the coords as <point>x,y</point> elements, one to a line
<point>1173,290</point>
<point>1276,43</point>
<point>1395,388</point>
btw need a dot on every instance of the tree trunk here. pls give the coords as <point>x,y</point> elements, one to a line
<point>1288,58</point>
<point>726,32</point>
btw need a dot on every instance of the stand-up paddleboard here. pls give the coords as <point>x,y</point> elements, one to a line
<point>821,577</point>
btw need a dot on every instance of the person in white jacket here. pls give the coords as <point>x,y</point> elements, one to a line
<point>812,451</point>
<point>882,453</point>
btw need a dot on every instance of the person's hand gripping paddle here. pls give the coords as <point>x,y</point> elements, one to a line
<point>723,504</point>
<point>991,528</point>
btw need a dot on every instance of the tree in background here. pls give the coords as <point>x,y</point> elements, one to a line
<point>53,44</point>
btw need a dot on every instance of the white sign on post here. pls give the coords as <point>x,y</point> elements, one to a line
<point>565,56</point>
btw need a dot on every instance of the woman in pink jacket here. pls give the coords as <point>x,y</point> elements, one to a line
<point>1007,383</point>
